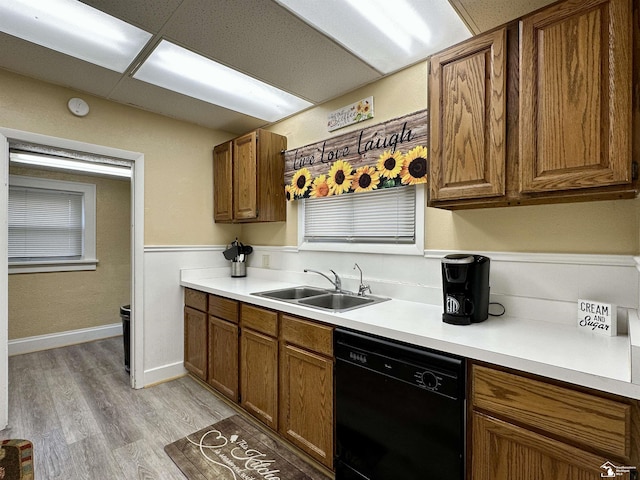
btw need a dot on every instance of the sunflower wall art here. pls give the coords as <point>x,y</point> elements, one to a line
<point>391,154</point>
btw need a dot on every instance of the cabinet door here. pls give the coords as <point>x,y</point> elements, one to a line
<point>223,357</point>
<point>195,342</point>
<point>245,171</point>
<point>306,402</point>
<point>222,182</point>
<point>259,376</point>
<point>468,119</point>
<point>502,451</point>
<point>575,96</point>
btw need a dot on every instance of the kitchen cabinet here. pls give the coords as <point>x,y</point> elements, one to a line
<point>259,363</point>
<point>223,346</point>
<point>529,428</point>
<point>277,367</point>
<point>248,178</point>
<point>223,182</point>
<point>538,111</point>
<point>468,106</point>
<point>575,96</point>
<point>306,386</point>
<point>195,332</point>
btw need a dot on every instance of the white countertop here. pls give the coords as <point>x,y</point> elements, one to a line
<point>553,350</point>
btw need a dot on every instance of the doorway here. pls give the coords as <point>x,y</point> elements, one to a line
<point>137,248</point>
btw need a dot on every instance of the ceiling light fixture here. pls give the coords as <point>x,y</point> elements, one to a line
<point>175,68</point>
<point>76,29</point>
<point>66,164</point>
<point>387,35</point>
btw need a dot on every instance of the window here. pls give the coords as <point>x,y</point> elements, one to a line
<point>383,221</point>
<point>51,225</point>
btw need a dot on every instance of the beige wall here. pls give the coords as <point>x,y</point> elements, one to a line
<point>608,227</point>
<point>42,303</point>
<point>178,200</point>
<point>178,155</point>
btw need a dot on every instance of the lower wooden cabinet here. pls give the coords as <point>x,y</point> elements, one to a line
<point>223,357</point>
<point>306,386</point>
<point>306,402</point>
<point>525,428</point>
<point>195,342</point>
<point>259,376</point>
<point>504,451</point>
<point>195,332</point>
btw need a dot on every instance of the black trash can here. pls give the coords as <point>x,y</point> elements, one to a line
<point>125,314</point>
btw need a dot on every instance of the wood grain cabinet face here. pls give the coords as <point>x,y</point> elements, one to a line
<point>467,85</point>
<point>576,96</point>
<point>306,387</point>
<point>195,342</point>
<point>259,376</point>
<point>222,182</point>
<point>245,187</point>
<point>223,357</point>
<point>528,429</point>
<point>248,178</point>
<point>502,451</point>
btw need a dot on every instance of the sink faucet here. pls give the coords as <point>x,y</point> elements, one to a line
<point>336,283</point>
<point>363,288</point>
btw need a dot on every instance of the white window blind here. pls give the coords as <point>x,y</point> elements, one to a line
<point>381,216</point>
<point>45,224</point>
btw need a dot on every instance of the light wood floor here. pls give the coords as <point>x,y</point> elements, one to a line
<point>76,406</point>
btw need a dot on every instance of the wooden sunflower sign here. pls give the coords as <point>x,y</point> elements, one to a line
<point>390,154</point>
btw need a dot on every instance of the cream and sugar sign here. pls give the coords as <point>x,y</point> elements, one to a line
<point>597,317</point>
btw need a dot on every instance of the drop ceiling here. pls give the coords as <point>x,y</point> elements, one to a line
<point>257,37</point>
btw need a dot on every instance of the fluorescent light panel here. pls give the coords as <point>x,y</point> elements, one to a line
<point>175,68</point>
<point>388,35</point>
<point>66,164</point>
<point>76,29</point>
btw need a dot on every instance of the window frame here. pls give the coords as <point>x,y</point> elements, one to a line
<point>88,260</point>
<point>416,248</point>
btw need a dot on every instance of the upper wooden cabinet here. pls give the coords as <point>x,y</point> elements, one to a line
<point>248,179</point>
<point>222,182</point>
<point>575,96</point>
<point>539,111</point>
<point>468,105</point>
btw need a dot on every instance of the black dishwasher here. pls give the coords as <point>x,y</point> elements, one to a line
<point>399,411</point>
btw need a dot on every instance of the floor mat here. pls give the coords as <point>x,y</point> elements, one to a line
<point>233,449</point>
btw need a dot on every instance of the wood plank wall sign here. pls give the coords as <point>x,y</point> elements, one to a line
<point>389,154</point>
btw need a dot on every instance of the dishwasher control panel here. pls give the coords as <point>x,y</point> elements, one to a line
<point>422,369</point>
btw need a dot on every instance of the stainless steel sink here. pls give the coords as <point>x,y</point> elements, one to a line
<point>321,298</point>
<point>337,301</point>
<point>294,293</point>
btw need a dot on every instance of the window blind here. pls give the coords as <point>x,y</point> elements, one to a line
<point>381,216</point>
<point>45,224</point>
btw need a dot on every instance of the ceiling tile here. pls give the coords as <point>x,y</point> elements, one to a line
<point>34,61</point>
<point>145,14</point>
<point>262,39</point>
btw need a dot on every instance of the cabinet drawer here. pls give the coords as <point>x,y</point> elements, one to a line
<point>223,308</point>
<point>195,299</point>
<point>310,335</point>
<point>590,420</point>
<point>259,319</point>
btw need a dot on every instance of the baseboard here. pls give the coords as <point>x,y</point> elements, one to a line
<point>163,373</point>
<point>62,339</point>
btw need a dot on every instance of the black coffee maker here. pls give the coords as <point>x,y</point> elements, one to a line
<point>465,288</point>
